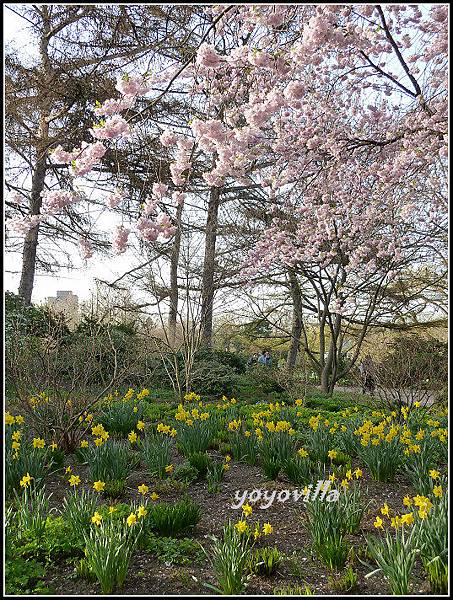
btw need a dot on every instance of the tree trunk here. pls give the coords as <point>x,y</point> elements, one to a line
<point>328,377</point>
<point>39,173</point>
<point>31,238</point>
<point>296,330</point>
<point>207,293</point>
<point>174,291</point>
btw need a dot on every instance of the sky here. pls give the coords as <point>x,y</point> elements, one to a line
<point>80,280</point>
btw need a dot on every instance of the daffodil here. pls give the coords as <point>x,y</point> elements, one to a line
<point>247,510</point>
<point>74,480</point>
<point>99,486</point>
<point>96,518</point>
<point>267,528</point>
<point>25,481</point>
<point>385,510</point>
<point>131,519</point>
<point>143,489</point>
<point>378,523</point>
<point>437,491</point>
<point>241,526</point>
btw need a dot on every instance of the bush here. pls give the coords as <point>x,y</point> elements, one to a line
<point>215,379</point>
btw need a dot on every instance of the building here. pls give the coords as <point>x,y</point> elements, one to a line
<point>67,303</point>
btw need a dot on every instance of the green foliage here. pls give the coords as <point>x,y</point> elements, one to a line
<point>25,576</point>
<point>155,452</point>
<point>383,460</point>
<point>432,540</point>
<point>214,378</point>
<point>395,556</point>
<point>243,448</point>
<point>197,437</point>
<point>353,507</point>
<point>119,416</point>
<point>34,461</point>
<point>214,476</point>
<point>31,510</point>
<point>347,582</point>
<point>266,561</point>
<point>112,461</point>
<point>297,469</point>
<point>58,541</point>
<point>185,473</point>
<point>201,462</point>
<point>30,320</point>
<point>318,443</point>
<point>173,519</point>
<point>173,551</point>
<point>78,508</point>
<point>326,525</point>
<point>234,361</point>
<point>114,488</point>
<point>293,591</point>
<point>229,557</point>
<point>275,450</point>
<point>109,548</point>
<point>418,464</point>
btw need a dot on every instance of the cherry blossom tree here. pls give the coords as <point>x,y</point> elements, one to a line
<point>337,113</point>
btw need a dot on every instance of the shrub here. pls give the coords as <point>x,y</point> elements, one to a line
<point>215,379</point>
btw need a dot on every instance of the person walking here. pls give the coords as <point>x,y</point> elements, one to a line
<point>366,371</point>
